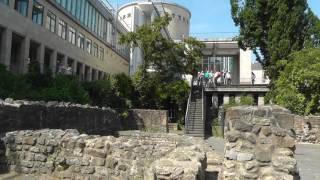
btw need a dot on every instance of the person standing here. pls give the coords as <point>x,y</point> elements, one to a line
<point>253,78</point>
<point>228,77</point>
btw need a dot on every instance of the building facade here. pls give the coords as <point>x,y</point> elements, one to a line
<point>136,14</point>
<point>226,55</point>
<point>76,36</point>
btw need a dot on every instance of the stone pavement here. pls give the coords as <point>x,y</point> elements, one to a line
<point>307,155</point>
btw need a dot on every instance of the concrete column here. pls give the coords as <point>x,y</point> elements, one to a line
<point>238,98</point>
<point>30,7</point>
<point>89,74</point>
<point>74,68</point>
<point>215,102</point>
<point>6,45</point>
<point>260,100</point>
<point>44,18</point>
<point>40,57</point>
<point>226,99</point>
<point>82,71</point>
<point>53,62</point>
<point>11,4</point>
<point>24,58</point>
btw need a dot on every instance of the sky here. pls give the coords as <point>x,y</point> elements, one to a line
<point>212,18</point>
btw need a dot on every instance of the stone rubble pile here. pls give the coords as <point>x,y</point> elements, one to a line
<point>257,147</point>
<point>70,155</point>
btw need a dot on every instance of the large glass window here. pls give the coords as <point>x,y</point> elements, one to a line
<point>69,4</point>
<point>51,22</point>
<point>72,35</point>
<point>62,29</point>
<point>101,53</point>
<point>73,7</point>
<point>90,17</point>
<point>21,6</point>
<point>80,41</point>
<point>64,3</point>
<point>37,12</point>
<point>95,49</point>
<point>83,11</point>
<point>4,2</point>
<point>89,45</point>
<point>78,8</point>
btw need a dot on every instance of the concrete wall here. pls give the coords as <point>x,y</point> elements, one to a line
<point>69,155</point>
<point>147,120</point>
<point>10,19</point>
<point>19,115</point>
<point>257,147</point>
<point>245,66</point>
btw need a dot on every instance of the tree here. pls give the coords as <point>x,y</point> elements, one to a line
<point>298,86</point>
<point>273,29</point>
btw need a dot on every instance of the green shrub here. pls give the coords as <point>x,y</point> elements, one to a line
<point>298,87</point>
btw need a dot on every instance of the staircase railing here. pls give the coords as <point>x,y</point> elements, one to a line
<point>186,118</point>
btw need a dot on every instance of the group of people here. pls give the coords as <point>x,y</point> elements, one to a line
<point>212,79</point>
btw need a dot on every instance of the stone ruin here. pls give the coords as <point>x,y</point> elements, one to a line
<point>134,155</point>
<point>257,147</point>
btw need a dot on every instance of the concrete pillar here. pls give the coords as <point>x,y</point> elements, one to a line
<point>53,62</point>
<point>24,58</point>
<point>215,103</point>
<point>40,57</point>
<point>11,4</point>
<point>260,100</point>
<point>6,45</point>
<point>89,74</point>
<point>82,71</point>
<point>30,7</point>
<point>44,18</point>
<point>226,99</point>
<point>74,67</point>
<point>238,98</point>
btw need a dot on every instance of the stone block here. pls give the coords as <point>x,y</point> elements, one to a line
<point>245,156</point>
<point>242,126</point>
<point>96,152</point>
<point>263,153</point>
<point>87,170</point>
<point>40,157</point>
<point>29,141</point>
<point>95,161</point>
<point>233,136</point>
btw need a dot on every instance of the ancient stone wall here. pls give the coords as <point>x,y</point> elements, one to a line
<point>68,154</point>
<point>257,147</point>
<point>307,129</point>
<point>20,115</point>
<point>147,120</point>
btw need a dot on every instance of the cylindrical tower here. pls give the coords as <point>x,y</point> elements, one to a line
<point>138,13</point>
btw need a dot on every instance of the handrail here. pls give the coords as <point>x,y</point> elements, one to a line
<point>202,113</point>
<point>186,118</point>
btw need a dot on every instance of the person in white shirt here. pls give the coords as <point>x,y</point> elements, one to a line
<point>228,77</point>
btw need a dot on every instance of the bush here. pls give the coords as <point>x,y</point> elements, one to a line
<point>244,101</point>
<point>298,87</point>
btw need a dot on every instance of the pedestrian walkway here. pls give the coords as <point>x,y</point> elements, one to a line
<point>308,157</point>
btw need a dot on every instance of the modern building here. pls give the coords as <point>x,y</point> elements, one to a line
<point>78,35</point>
<point>136,14</point>
<point>261,77</point>
<point>226,55</point>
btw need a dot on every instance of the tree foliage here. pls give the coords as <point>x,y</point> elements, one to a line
<point>274,29</point>
<point>298,87</point>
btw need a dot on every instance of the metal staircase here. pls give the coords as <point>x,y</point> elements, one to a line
<point>194,119</point>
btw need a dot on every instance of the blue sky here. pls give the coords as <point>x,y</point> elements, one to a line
<point>211,18</point>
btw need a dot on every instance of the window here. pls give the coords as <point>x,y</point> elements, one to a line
<point>124,16</point>
<point>22,7</point>
<point>89,44</point>
<point>72,35</point>
<point>173,15</point>
<point>37,12</point>
<point>129,15</point>
<point>51,22</point>
<point>80,41</point>
<point>62,29</point>
<point>4,2</point>
<point>73,7</point>
<point>95,49</point>
<point>179,17</point>
<point>101,53</point>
